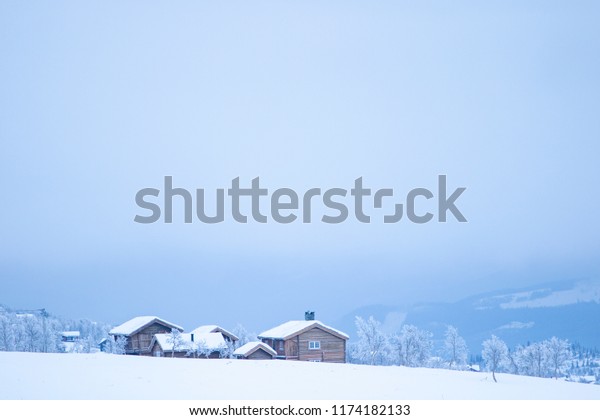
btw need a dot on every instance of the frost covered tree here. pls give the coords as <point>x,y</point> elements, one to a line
<point>455,348</point>
<point>559,353</point>
<point>119,344</point>
<point>19,334</point>
<point>416,345</point>
<point>32,334</point>
<point>512,361</point>
<point>244,336</point>
<point>176,340</point>
<point>7,335</point>
<point>494,354</point>
<point>538,355</point>
<point>226,352</point>
<point>202,349</point>
<point>109,344</point>
<point>523,361</point>
<point>395,349</point>
<point>372,344</point>
<point>532,360</point>
<point>50,335</point>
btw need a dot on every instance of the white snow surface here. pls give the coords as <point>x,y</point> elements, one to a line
<point>250,346</point>
<point>290,328</point>
<point>107,376</point>
<point>138,322</point>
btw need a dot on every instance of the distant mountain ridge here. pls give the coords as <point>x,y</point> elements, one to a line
<point>566,309</point>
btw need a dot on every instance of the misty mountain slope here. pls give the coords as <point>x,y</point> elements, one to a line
<point>568,309</point>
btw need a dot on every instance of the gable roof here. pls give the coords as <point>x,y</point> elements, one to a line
<point>212,341</point>
<point>202,329</point>
<point>291,329</point>
<point>139,322</point>
<point>249,348</point>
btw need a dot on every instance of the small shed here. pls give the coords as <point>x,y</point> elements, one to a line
<point>255,350</point>
<point>103,345</point>
<point>70,336</point>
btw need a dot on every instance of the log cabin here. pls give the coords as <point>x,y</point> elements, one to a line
<point>255,350</point>
<point>139,332</point>
<point>307,340</point>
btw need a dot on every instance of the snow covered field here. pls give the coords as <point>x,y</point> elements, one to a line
<point>104,376</point>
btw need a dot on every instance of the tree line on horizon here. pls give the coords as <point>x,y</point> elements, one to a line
<point>414,347</point>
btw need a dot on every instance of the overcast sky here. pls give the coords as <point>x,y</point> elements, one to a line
<point>101,99</point>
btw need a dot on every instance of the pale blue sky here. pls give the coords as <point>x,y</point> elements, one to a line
<point>100,99</point>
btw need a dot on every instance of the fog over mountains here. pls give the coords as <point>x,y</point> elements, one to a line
<point>567,309</point>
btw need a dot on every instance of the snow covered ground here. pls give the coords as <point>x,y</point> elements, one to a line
<point>104,376</point>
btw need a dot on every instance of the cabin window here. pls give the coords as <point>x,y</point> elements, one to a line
<point>314,345</point>
<point>281,345</point>
<point>157,353</point>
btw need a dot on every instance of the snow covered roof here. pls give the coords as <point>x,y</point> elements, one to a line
<point>203,329</point>
<point>134,325</point>
<point>292,328</point>
<point>70,333</point>
<point>213,341</point>
<point>252,346</point>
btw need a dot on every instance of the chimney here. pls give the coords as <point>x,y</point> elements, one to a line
<point>192,337</point>
<point>309,315</point>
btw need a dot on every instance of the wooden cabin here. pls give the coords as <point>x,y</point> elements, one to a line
<point>198,345</point>
<point>307,340</point>
<point>255,350</point>
<point>139,332</point>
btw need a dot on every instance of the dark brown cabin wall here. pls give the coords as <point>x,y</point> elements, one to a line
<point>291,348</point>
<point>140,342</point>
<point>333,349</point>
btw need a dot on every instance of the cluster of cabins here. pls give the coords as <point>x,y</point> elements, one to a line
<point>306,340</point>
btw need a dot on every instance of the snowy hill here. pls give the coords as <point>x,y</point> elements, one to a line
<point>562,309</point>
<point>104,376</point>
